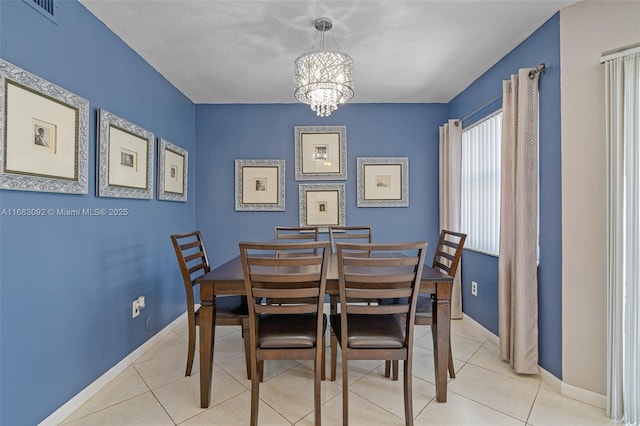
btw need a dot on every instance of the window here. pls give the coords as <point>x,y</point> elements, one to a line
<point>480,198</point>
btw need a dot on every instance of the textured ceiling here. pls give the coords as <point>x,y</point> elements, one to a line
<point>242,51</point>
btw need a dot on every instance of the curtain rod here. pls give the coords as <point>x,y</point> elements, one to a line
<point>532,74</point>
<point>622,51</point>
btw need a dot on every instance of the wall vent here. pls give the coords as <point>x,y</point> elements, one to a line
<point>45,5</point>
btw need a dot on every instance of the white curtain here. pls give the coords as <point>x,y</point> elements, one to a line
<point>450,177</point>
<point>622,103</point>
<point>518,277</point>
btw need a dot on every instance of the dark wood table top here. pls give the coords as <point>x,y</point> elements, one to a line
<point>228,275</point>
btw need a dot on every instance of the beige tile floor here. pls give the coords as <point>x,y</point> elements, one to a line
<point>154,391</point>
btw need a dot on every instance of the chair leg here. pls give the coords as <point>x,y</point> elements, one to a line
<point>318,376</point>
<point>387,369</point>
<point>191,348</point>
<point>345,389</point>
<point>323,366</point>
<point>334,340</point>
<point>255,382</point>
<point>247,345</point>
<point>255,390</point>
<point>408,394</point>
<point>334,355</point>
<point>452,368</point>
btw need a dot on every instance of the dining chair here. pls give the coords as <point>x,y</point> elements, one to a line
<point>446,259</point>
<point>295,234</point>
<point>352,234</point>
<point>370,330</point>
<point>294,327</point>
<point>291,234</point>
<point>230,310</point>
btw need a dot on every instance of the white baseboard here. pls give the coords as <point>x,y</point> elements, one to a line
<point>489,335</point>
<point>574,392</point>
<point>565,389</point>
<point>84,395</point>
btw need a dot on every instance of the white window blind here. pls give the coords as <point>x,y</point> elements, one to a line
<point>480,201</point>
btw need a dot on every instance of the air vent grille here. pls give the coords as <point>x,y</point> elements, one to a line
<point>46,5</point>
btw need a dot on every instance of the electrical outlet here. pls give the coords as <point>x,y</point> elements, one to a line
<point>136,306</point>
<point>135,309</point>
<point>474,288</point>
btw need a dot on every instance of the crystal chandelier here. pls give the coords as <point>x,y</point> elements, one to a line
<point>323,79</point>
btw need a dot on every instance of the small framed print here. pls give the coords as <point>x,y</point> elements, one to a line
<point>44,134</point>
<point>173,167</point>
<point>383,182</point>
<point>321,152</point>
<point>322,205</point>
<point>260,185</point>
<point>125,158</point>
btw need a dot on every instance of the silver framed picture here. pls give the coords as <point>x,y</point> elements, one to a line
<point>321,152</point>
<point>44,134</point>
<point>383,182</point>
<point>260,185</point>
<point>322,205</point>
<point>125,158</point>
<point>173,171</point>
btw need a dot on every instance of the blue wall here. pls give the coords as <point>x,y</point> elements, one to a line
<point>228,132</point>
<point>543,46</point>
<point>67,283</point>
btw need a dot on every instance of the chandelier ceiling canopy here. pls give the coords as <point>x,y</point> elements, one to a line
<point>323,79</point>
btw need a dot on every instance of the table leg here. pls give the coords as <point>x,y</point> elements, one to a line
<point>207,337</point>
<point>333,309</point>
<point>440,330</point>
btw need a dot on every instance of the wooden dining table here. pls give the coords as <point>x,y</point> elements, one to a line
<point>228,279</point>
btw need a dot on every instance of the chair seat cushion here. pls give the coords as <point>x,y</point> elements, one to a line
<point>288,331</point>
<point>371,331</point>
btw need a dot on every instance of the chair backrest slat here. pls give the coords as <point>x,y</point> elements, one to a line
<point>302,260</point>
<point>298,234</point>
<point>285,276</point>
<point>373,294</point>
<point>196,268</point>
<point>192,244</point>
<point>194,256</point>
<point>290,293</point>
<point>383,278</point>
<point>295,234</point>
<point>363,234</point>
<point>447,256</point>
<point>451,244</point>
<point>287,309</point>
<point>381,262</point>
<point>378,309</point>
